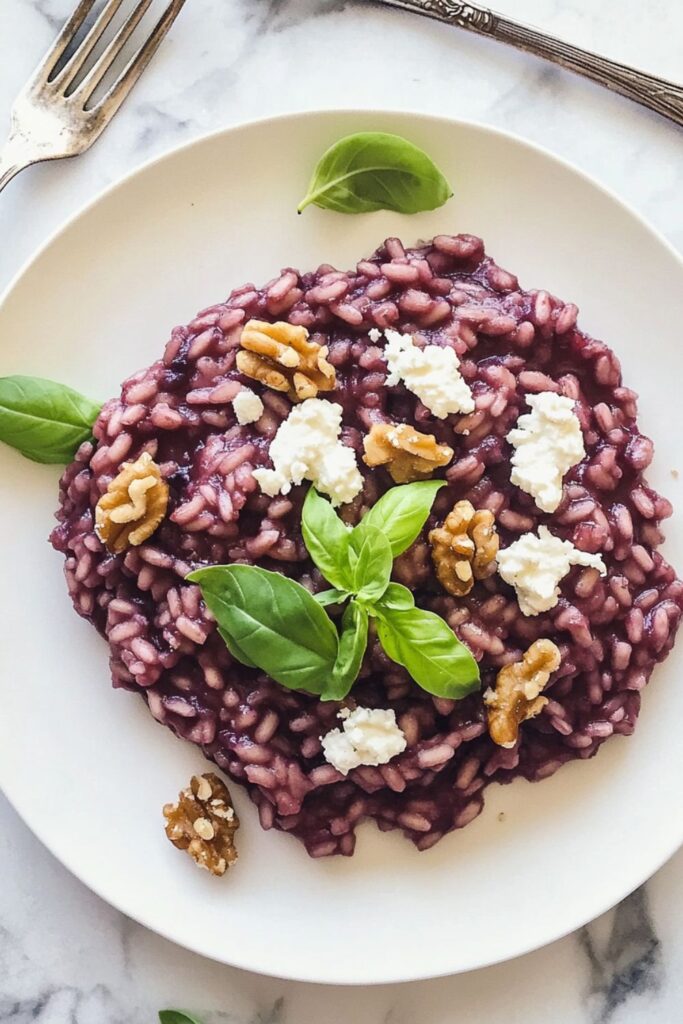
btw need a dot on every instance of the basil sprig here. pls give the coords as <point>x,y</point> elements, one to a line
<point>43,420</point>
<point>376,171</point>
<point>270,622</point>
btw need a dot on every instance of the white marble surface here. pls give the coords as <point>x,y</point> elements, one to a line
<point>64,955</point>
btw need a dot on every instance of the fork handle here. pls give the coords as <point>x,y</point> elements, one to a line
<point>13,159</point>
<point>657,94</point>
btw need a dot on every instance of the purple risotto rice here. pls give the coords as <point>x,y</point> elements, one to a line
<point>610,630</point>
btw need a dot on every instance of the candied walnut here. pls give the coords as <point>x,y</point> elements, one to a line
<point>464,549</point>
<point>516,696</point>
<point>281,356</point>
<point>407,454</point>
<point>133,505</point>
<point>204,823</point>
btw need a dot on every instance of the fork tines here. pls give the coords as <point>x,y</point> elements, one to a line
<point>62,82</point>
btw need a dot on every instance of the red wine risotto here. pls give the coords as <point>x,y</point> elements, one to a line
<point>610,612</point>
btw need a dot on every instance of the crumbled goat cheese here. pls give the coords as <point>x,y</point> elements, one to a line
<point>431,373</point>
<point>307,447</point>
<point>248,406</point>
<point>374,334</point>
<point>368,736</point>
<point>547,442</point>
<point>534,566</point>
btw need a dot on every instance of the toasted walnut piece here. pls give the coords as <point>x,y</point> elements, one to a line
<point>133,505</point>
<point>464,549</point>
<point>281,356</point>
<point>204,823</point>
<point>516,694</point>
<point>407,454</point>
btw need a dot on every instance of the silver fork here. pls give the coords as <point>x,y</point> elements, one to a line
<point>657,94</point>
<point>51,118</point>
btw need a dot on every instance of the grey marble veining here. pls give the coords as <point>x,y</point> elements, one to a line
<point>65,956</point>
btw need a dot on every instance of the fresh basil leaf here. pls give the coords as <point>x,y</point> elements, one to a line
<point>370,559</point>
<point>376,171</point>
<point>275,622</point>
<point>327,539</point>
<point>325,597</point>
<point>43,420</point>
<point>428,648</point>
<point>402,512</point>
<point>177,1017</point>
<point>397,598</point>
<point>352,644</point>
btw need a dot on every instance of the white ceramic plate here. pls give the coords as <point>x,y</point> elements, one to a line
<point>87,767</point>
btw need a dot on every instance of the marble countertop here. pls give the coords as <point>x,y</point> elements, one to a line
<point>64,955</point>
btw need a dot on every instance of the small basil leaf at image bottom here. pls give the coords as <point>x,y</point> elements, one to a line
<point>371,561</point>
<point>352,644</point>
<point>273,622</point>
<point>177,1017</point>
<point>428,648</point>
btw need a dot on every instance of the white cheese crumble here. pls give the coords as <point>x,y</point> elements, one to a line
<point>307,447</point>
<point>547,442</point>
<point>248,406</point>
<point>368,736</point>
<point>534,566</point>
<point>431,373</point>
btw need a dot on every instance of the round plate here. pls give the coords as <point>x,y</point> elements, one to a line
<point>88,768</point>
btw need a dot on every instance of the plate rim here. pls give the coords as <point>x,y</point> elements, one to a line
<point>120,183</point>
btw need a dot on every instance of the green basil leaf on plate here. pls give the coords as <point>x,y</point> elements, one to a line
<point>273,621</point>
<point>177,1017</point>
<point>327,539</point>
<point>327,597</point>
<point>428,648</point>
<point>45,421</point>
<point>402,512</point>
<point>371,560</point>
<point>376,171</point>
<point>352,644</point>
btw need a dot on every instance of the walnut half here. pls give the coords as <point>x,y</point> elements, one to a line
<point>516,696</point>
<point>282,357</point>
<point>407,454</point>
<point>133,505</point>
<point>204,822</point>
<point>464,549</point>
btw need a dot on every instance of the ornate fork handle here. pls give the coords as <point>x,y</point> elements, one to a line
<point>658,94</point>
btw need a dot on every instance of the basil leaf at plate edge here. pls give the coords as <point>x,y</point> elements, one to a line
<point>371,562</point>
<point>370,171</point>
<point>43,420</point>
<point>177,1017</point>
<point>326,538</point>
<point>272,620</point>
<point>429,650</point>
<point>401,513</point>
<point>352,644</point>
